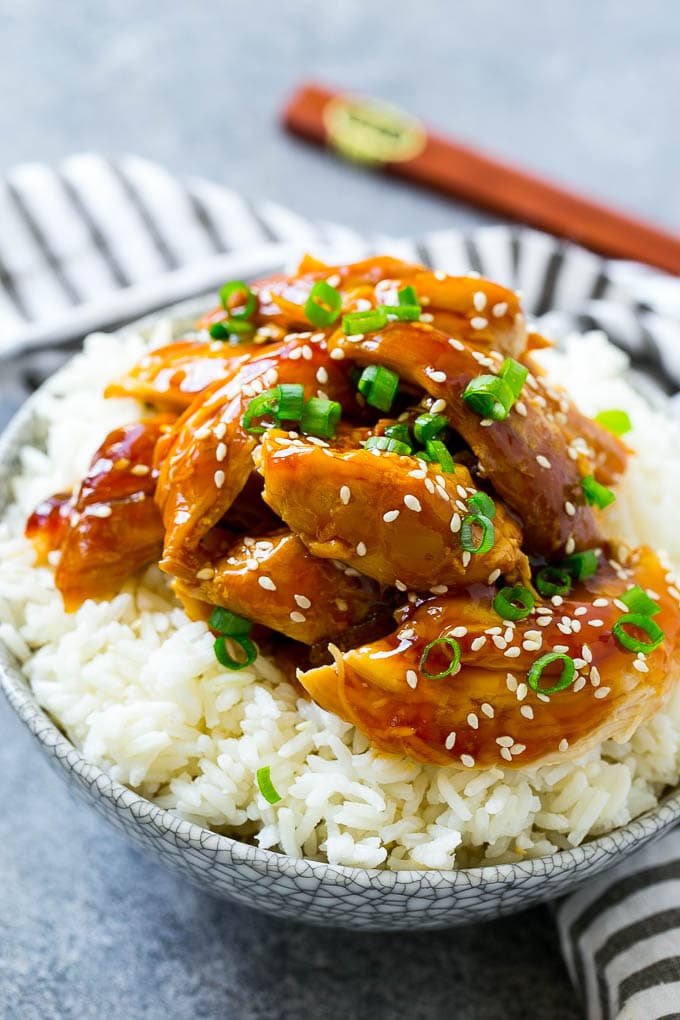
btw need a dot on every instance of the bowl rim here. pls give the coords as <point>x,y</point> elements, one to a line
<point>585,856</point>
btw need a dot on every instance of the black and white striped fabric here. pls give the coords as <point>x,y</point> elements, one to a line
<point>94,243</point>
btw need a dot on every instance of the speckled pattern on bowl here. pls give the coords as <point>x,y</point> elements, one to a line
<point>323,894</point>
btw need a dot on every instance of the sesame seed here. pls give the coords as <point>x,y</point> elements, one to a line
<point>220,452</point>
<point>596,623</point>
<point>426,317</point>
<point>493,576</point>
<point>499,641</point>
<point>391,515</point>
<point>518,748</point>
<point>439,589</point>
<point>586,653</point>
<point>412,678</point>
<point>522,691</point>
<point>512,653</point>
<point>202,433</point>
<point>527,711</point>
<point>570,545</point>
<point>563,745</point>
<point>499,309</point>
<point>450,741</point>
<point>595,676</point>
<point>506,754</point>
<point>562,649</point>
<point>436,376</point>
<point>521,408</point>
<point>473,721</point>
<point>297,617</point>
<point>345,494</point>
<point>511,683</point>
<point>361,549</point>
<point>206,574</point>
<point>100,510</point>
<point>322,375</point>
<point>487,710</point>
<point>266,582</point>
<point>486,423</point>
<point>412,503</point>
<point>302,601</point>
<point>465,558</point>
<point>580,611</point>
<point>337,354</point>
<point>543,462</point>
<point>334,280</point>
<point>468,761</point>
<point>557,600</point>
<point>443,494</point>
<point>479,300</point>
<point>219,478</point>
<point>578,684</point>
<point>438,406</point>
<point>456,523</point>
<point>429,485</point>
<point>478,643</point>
<point>640,666</point>
<point>479,322</point>
<point>569,509</point>
<point>602,692</point>
<point>505,741</point>
<point>399,585</point>
<point>140,469</point>
<point>456,344</point>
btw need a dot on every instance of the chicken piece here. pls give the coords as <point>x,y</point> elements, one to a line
<point>48,524</point>
<point>485,714</point>
<point>274,581</point>
<point>171,376</point>
<point>114,527</point>
<point>392,517</point>
<point>451,302</point>
<point>207,460</point>
<point>527,457</point>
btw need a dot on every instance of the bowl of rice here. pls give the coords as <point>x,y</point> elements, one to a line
<point>127,701</point>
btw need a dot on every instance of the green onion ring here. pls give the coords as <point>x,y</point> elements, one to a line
<point>450,643</point>
<point>505,602</point>
<point>225,659</point>
<point>467,537</point>
<point>645,623</point>
<point>565,680</point>
<point>324,304</point>
<point>238,287</point>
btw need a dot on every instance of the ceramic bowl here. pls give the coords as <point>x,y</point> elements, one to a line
<point>321,894</point>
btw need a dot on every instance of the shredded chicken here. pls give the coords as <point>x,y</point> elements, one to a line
<point>374,554</point>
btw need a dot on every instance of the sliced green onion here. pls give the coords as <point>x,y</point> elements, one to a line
<point>439,453</point>
<point>239,288</point>
<point>489,396</point>
<point>263,405</point>
<point>484,504</point>
<point>429,426</point>
<point>320,417</point>
<point>388,445</point>
<point>379,385</point>
<point>566,677</point>
<point>514,603</point>
<point>266,787</point>
<point>423,456</point>
<point>228,623</point>
<point>553,581</point>
<point>447,644</point>
<point>284,402</point>
<point>596,494</point>
<point>323,305</point>
<point>467,534</point>
<point>581,564</point>
<point>407,296</point>
<point>355,323</point>
<point>230,327</point>
<point>642,622</point>
<point>225,659</point>
<point>616,422</point>
<point>514,374</point>
<point>401,432</point>
<point>638,601</point>
<point>291,401</point>
<point>407,313</point>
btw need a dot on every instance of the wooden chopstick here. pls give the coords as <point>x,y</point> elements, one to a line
<point>463,173</point>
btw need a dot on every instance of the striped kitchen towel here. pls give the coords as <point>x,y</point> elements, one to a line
<point>94,243</point>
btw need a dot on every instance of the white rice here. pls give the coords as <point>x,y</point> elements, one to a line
<point>135,684</point>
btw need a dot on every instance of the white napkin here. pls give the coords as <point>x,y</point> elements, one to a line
<point>93,243</point>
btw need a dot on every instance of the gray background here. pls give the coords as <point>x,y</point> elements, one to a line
<point>585,91</point>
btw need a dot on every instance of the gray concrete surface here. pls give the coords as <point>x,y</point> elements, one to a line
<point>585,91</point>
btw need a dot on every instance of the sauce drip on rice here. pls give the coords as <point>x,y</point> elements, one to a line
<point>365,467</point>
